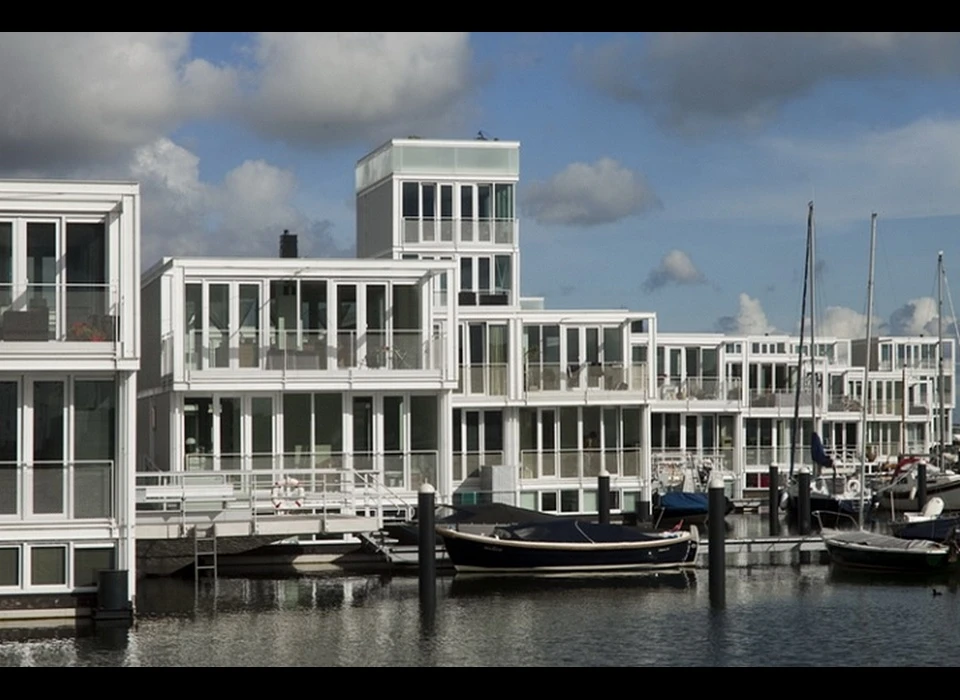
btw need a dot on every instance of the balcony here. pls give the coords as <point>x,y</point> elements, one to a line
<point>484,380</point>
<point>466,465</point>
<point>78,490</point>
<point>70,313</point>
<point>312,350</point>
<point>699,389</point>
<point>588,377</point>
<point>581,464</point>
<point>432,231</point>
<point>319,471</point>
<point>878,407</point>
<point>918,363</point>
<point>783,399</point>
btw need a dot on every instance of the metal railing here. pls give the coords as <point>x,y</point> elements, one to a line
<point>316,350</point>
<point>60,312</point>
<point>782,399</point>
<point>900,363</point>
<point>579,463</point>
<point>699,389</point>
<point>486,379</point>
<point>69,490</point>
<point>400,471</point>
<point>431,230</point>
<point>553,376</point>
<point>884,407</point>
<point>670,467</point>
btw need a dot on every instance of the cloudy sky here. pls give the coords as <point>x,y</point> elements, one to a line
<point>664,172</point>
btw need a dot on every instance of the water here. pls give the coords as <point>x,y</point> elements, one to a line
<point>782,615</point>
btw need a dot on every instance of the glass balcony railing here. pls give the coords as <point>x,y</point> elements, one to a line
<point>77,490</point>
<point>313,350</point>
<point>58,312</point>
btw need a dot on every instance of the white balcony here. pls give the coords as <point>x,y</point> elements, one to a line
<point>482,232</point>
<point>546,377</point>
<point>56,491</point>
<point>580,464</point>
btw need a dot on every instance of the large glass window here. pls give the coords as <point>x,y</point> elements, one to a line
<point>48,447</point>
<point>95,418</point>
<point>86,272</point>
<point>9,448</point>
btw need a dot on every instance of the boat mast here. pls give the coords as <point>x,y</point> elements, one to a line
<point>903,413</point>
<point>866,364</point>
<point>813,329</point>
<point>803,318</point>
<point>942,416</point>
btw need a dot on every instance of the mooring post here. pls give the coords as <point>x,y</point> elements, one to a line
<point>643,506</point>
<point>603,497</point>
<point>773,517</point>
<point>921,485</point>
<point>427,555</point>
<point>716,510</point>
<point>803,501</point>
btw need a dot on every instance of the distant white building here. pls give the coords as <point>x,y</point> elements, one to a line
<point>69,356</point>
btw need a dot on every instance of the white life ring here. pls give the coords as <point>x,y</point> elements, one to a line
<point>853,486</point>
<point>287,490</point>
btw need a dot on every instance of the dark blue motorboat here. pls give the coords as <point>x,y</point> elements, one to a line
<point>689,507</point>
<point>568,545</point>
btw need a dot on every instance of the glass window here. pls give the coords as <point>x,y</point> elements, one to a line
<point>95,408</point>
<point>504,201</point>
<point>429,201</point>
<point>48,566</point>
<point>466,201</point>
<point>411,199</point>
<point>87,563</point>
<point>548,501</point>
<point>10,566</point>
<point>569,501</point>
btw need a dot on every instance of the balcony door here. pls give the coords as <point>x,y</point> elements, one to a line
<point>53,281</point>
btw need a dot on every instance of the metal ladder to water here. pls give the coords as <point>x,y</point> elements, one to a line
<point>200,554</point>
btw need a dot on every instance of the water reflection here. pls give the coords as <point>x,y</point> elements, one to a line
<point>480,585</point>
<point>773,616</point>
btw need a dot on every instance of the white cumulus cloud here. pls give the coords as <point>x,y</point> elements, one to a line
<point>74,97</point>
<point>243,215</point>
<point>675,267</point>
<point>750,319</point>
<point>584,194</point>
<point>318,87</point>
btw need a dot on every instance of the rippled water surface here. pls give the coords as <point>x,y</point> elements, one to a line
<point>780,615</point>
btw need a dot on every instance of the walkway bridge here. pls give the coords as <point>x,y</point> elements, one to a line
<point>243,510</point>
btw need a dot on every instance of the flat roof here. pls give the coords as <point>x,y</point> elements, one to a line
<point>474,158</point>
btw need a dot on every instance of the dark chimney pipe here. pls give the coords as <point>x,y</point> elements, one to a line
<point>288,244</point>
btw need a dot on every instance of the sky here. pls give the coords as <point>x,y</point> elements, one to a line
<point>658,172</point>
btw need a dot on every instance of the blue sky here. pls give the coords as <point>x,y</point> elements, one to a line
<point>664,172</point>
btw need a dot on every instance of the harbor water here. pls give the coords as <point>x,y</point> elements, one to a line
<point>788,614</point>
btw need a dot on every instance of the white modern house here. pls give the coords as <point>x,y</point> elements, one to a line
<point>69,356</point>
<point>339,373</point>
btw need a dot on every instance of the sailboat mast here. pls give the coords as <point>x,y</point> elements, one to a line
<point>903,413</point>
<point>794,433</point>
<point>813,329</point>
<point>942,417</point>
<point>866,364</point>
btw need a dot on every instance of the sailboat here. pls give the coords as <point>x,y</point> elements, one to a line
<point>836,499</point>
<point>942,484</point>
<point>860,549</point>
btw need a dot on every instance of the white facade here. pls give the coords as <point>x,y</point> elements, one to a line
<point>69,356</point>
<point>236,379</point>
<point>335,371</point>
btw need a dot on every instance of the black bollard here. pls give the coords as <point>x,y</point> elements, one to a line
<point>803,501</point>
<point>643,509</point>
<point>427,555</point>
<point>716,510</point>
<point>113,596</point>
<point>774,501</point>
<point>603,497</point>
<point>921,485</point>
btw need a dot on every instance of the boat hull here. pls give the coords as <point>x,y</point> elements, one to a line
<point>832,510</point>
<point>478,553</point>
<point>892,562</point>
<point>936,530</point>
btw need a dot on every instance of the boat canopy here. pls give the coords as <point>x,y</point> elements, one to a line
<point>684,501</point>
<point>572,530</point>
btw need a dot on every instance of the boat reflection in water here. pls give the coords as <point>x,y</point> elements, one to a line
<point>855,578</point>
<point>481,584</point>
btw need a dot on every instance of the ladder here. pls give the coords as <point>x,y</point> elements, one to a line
<point>204,550</point>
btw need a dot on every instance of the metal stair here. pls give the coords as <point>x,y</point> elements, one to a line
<point>204,550</point>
